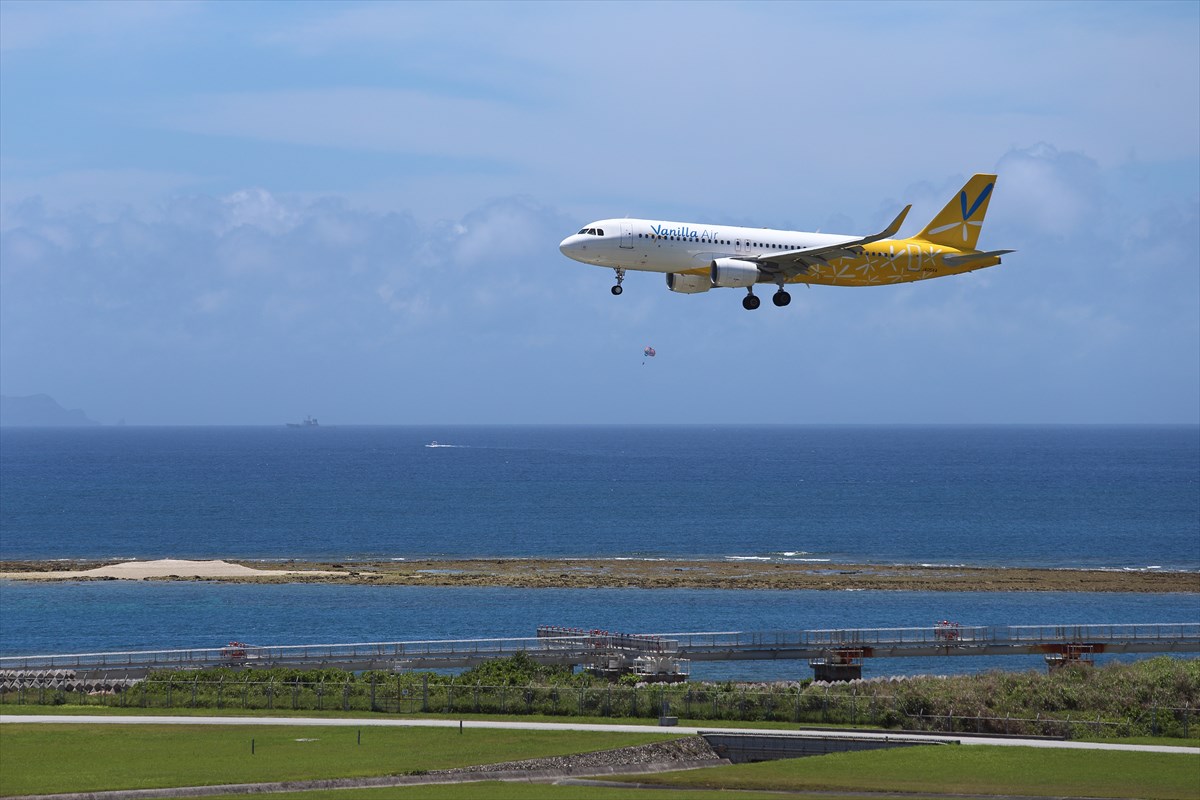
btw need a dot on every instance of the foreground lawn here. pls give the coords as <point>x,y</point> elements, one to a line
<point>960,769</point>
<point>42,759</point>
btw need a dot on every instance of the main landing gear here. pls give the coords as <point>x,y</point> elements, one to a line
<point>751,302</point>
<point>616,290</point>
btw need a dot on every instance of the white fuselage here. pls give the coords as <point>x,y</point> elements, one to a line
<point>657,246</point>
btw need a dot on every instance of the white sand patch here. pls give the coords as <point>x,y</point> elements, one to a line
<point>163,568</point>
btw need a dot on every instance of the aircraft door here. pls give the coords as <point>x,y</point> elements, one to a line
<point>627,235</point>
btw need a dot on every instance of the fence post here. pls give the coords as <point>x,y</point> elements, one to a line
<point>425,693</point>
<point>193,692</point>
<point>346,697</point>
<point>372,692</point>
<point>220,687</point>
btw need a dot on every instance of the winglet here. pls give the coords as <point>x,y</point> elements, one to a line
<point>889,231</point>
<point>894,228</point>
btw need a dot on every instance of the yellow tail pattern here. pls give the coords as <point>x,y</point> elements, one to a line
<point>958,224</point>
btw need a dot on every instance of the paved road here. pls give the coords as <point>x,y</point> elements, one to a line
<point>569,726</point>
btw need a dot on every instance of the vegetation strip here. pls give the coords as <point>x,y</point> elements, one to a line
<point>671,574</point>
<point>1153,697</point>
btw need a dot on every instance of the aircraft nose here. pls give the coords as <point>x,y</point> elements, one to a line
<point>569,246</point>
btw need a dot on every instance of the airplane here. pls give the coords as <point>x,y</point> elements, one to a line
<point>698,257</point>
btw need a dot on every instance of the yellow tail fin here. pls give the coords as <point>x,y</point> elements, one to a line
<point>957,225</point>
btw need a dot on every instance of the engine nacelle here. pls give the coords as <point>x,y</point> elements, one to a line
<point>688,284</point>
<point>733,272</point>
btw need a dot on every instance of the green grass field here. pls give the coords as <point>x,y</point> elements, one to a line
<point>964,769</point>
<point>65,758</point>
<point>649,723</point>
<point>45,759</point>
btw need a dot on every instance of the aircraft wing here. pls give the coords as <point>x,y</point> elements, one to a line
<point>797,262</point>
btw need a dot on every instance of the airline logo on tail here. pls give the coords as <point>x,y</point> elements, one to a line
<point>956,225</point>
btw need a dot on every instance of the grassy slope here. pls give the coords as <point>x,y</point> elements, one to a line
<point>965,770</point>
<point>76,758</point>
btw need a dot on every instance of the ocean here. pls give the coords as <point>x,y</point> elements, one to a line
<point>1043,496</point>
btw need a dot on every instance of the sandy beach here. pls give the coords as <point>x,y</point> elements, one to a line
<point>166,568</point>
<point>619,573</point>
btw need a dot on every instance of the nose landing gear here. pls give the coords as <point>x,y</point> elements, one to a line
<point>616,290</point>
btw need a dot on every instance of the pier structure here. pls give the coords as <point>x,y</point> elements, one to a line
<point>834,654</point>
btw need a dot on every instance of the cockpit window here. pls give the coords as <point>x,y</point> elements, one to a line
<point>583,230</point>
<point>599,231</point>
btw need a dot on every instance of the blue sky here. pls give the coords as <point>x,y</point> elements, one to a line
<point>243,213</point>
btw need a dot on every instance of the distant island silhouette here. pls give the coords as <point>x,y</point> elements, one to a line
<point>39,410</point>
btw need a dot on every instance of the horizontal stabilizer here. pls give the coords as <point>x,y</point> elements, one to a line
<point>958,261</point>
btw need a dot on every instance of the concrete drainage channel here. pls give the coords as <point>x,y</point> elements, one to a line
<point>742,748</point>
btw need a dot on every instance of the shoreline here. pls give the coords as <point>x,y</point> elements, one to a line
<point>594,573</point>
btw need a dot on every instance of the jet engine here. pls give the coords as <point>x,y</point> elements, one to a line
<point>688,284</point>
<point>733,272</point>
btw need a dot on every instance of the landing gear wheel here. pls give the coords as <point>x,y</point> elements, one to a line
<point>781,298</point>
<point>616,290</point>
<point>750,302</point>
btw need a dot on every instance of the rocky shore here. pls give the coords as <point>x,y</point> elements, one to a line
<point>620,573</point>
